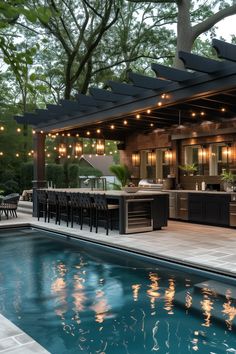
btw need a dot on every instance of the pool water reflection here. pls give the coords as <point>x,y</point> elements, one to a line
<point>78,298</point>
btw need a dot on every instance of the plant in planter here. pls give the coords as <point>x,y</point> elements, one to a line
<point>228,179</point>
<point>189,169</point>
<point>122,174</point>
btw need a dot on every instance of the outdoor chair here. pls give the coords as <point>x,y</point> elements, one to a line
<point>86,210</point>
<point>103,211</point>
<point>42,204</point>
<point>74,207</point>
<point>52,211</point>
<point>9,205</point>
<point>63,207</point>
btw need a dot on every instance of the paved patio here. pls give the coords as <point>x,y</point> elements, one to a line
<point>204,246</point>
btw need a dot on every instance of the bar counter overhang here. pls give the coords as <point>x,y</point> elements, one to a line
<point>138,212</point>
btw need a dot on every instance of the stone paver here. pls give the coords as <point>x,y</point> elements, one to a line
<point>14,340</point>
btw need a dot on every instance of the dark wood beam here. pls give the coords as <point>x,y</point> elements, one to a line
<point>224,50</point>
<point>201,64</point>
<point>172,73</point>
<point>126,89</point>
<point>106,96</point>
<point>147,82</point>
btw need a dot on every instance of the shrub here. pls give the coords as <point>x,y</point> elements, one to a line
<point>73,174</point>
<point>26,175</point>
<point>55,173</point>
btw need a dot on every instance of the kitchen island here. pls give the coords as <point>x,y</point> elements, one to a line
<point>137,212</point>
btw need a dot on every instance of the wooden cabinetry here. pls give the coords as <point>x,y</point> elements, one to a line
<point>209,208</point>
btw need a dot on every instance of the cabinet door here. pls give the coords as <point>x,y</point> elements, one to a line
<point>196,207</point>
<point>217,209</point>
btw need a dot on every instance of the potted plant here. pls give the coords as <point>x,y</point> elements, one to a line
<point>189,169</point>
<point>228,179</point>
<point>122,174</point>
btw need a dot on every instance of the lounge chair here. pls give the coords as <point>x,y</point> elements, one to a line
<point>9,205</point>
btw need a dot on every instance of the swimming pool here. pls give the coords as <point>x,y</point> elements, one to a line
<point>76,297</point>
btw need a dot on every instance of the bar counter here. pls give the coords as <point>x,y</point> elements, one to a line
<point>138,212</point>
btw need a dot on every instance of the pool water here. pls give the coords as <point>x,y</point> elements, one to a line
<point>73,297</point>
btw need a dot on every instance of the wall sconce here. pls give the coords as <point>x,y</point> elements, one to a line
<point>202,155</point>
<point>151,158</point>
<point>62,150</point>
<point>78,148</point>
<point>100,146</point>
<point>168,156</point>
<point>136,159</point>
<point>227,153</point>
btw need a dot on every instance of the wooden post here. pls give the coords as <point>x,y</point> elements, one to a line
<point>39,166</point>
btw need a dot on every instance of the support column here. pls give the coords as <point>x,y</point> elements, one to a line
<point>39,166</point>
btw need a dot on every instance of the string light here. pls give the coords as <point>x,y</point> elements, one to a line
<point>138,116</point>
<point>112,126</point>
<point>125,122</point>
<point>17,154</point>
<point>1,153</point>
<point>202,113</point>
<point>223,109</point>
<point>18,130</point>
<point>98,131</point>
<point>148,111</point>
<point>193,114</point>
<point>88,132</point>
<point>159,104</point>
<point>2,128</point>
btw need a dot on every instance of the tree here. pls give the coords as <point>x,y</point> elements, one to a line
<point>206,16</point>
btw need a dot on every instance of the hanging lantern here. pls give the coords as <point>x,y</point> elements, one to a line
<point>78,148</point>
<point>100,146</point>
<point>202,155</point>
<point>135,158</point>
<point>168,156</point>
<point>227,153</point>
<point>62,150</point>
<point>151,158</point>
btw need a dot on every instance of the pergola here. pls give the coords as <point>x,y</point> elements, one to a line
<point>174,97</point>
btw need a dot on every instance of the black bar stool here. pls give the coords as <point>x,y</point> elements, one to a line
<point>52,206</point>
<point>86,209</point>
<point>63,207</point>
<point>74,207</point>
<point>103,211</point>
<point>42,204</point>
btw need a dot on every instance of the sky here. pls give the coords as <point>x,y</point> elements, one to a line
<point>226,27</point>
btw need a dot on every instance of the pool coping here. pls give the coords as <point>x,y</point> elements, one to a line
<point>200,267</point>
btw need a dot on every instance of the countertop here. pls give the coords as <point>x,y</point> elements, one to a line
<point>199,191</point>
<point>115,193</point>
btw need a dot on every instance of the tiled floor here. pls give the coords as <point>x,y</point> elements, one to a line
<point>203,246</point>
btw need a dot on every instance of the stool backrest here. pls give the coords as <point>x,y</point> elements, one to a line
<point>75,199</point>
<point>85,200</point>
<point>62,198</point>
<point>100,201</point>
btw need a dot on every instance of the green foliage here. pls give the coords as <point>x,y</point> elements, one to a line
<point>89,171</point>
<point>10,186</point>
<point>122,174</point>
<point>189,168</point>
<point>27,173</point>
<point>73,175</point>
<point>228,176</point>
<point>55,173</point>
